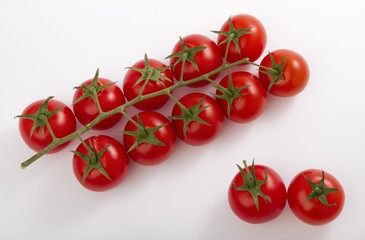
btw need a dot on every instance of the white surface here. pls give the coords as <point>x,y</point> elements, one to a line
<point>48,47</point>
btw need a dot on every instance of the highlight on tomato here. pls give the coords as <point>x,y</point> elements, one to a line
<point>149,138</point>
<point>145,77</point>
<point>316,197</point>
<point>108,95</point>
<point>197,55</point>
<point>284,73</point>
<point>44,120</point>
<point>242,36</point>
<point>244,97</point>
<point>100,163</point>
<point>257,194</point>
<point>197,119</point>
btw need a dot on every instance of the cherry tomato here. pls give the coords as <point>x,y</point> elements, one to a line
<point>317,203</point>
<point>114,161</point>
<point>197,132</point>
<point>295,74</point>
<point>157,138</point>
<point>109,98</point>
<point>242,201</point>
<point>246,108</point>
<point>206,60</point>
<point>62,123</point>
<point>251,45</point>
<point>131,90</point>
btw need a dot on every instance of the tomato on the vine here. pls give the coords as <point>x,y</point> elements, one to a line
<point>199,120</point>
<point>290,75</point>
<point>203,56</point>
<point>102,165</point>
<point>33,127</point>
<point>244,99</point>
<point>257,194</point>
<point>248,32</point>
<point>149,75</point>
<point>316,197</point>
<point>153,141</point>
<point>109,95</point>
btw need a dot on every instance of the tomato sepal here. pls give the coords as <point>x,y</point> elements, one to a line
<point>319,191</point>
<point>93,159</point>
<point>186,54</point>
<point>251,183</point>
<point>276,71</point>
<point>41,117</point>
<point>191,114</point>
<point>229,93</point>
<point>144,135</point>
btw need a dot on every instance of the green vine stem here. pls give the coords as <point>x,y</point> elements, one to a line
<point>121,109</point>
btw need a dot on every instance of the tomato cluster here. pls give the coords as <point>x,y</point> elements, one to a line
<point>102,162</point>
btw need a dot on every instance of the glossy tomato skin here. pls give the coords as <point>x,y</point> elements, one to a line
<point>243,205</point>
<point>149,154</point>
<point>314,212</point>
<point>295,73</point>
<point>251,45</point>
<point>114,160</point>
<point>197,133</point>
<point>248,107</point>
<point>109,98</point>
<point>63,123</point>
<point>132,76</point>
<point>207,60</point>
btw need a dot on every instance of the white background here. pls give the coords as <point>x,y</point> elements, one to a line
<point>48,47</point>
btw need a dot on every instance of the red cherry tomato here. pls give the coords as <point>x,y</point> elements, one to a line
<point>295,73</point>
<point>245,108</point>
<point>242,202</point>
<point>251,45</point>
<point>147,153</point>
<point>313,211</point>
<point>131,91</point>
<point>207,60</point>
<point>114,161</point>
<point>198,133</point>
<point>109,98</point>
<point>62,123</point>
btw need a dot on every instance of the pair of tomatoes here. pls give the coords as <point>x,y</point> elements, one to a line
<point>257,194</point>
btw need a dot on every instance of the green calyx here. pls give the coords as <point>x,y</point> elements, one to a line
<point>93,159</point>
<point>187,54</point>
<point>149,73</point>
<point>191,114</point>
<point>230,93</point>
<point>233,34</point>
<point>92,90</point>
<point>319,191</point>
<point>251,184</point>
<point>144,134</point>
<point>276,71</point>
<point>41,117</point>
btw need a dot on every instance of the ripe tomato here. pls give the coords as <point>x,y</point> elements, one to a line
<point>109,98</point>
<point>156,140</point>
<point>317,203</point>
<point>203,119</point>
<point>295,74</point>
<point>113,160</point>
<point>62,123</point>
<point>244,105</point>
<point>251,44</point>
<point>242,202</point>
<point>154,83</point>
<point>206,60</point>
